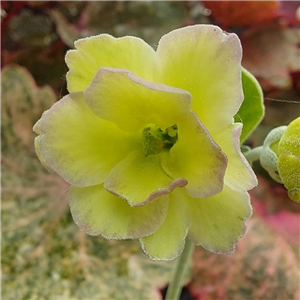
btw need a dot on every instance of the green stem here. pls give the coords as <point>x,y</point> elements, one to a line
<point>253,154</point>
<point>175,286</point>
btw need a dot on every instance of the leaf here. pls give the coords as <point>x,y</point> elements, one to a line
<point>277,211</point>
<point>242,13</point>
<point>66,31</point>
<point>263,267</point>
<point>30,29</point>
<point>252,110</point>
<point>22,104</point>
<point>120,18</point>
<point>290,12</point>
<point>271,54</point>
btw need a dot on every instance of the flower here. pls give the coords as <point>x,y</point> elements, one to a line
<point>148,143</point>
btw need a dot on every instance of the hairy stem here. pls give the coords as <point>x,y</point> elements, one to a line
<point>175,286</point>
<point>253,154</point>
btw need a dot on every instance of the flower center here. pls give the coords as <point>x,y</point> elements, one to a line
<point>156,139</point>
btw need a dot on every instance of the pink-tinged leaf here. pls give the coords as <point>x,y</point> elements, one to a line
<point>276,210</point>
<point>288,11</point>
<point>285,224</point>
<point>242,13</point>
<point>270,54</point>
<point>263,267</point>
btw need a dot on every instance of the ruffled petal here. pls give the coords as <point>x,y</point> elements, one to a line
<point>131,102</point>
<point>39,153</point>
<point>78,145</point>
<point>36,128</point>
<point>197,158</point>
<point>239,175</point>
<point>218,222</point>
<point>98,212</point>
<point>140,179</point>
<point>206,62</point>
<point>92,53</point>
<point>168,241</point>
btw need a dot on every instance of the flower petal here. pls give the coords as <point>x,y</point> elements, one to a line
<point>140,179</point>
<point>131,102</point>
<point>39,153</point>
<point>239,175</point>
<point>218,221</point>
<point>36,128</point>
<point>197,158</point>
<point>168,241</point>
<point>206,62</point>
<point>78,145</point>
<point>98,212</point>
<point>92,53</point>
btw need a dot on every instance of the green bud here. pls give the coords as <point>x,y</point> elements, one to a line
<point>280,157</point>
<point>269,155</point>
<point>289,160</point>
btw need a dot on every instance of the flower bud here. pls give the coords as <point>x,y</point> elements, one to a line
<point>280,157</point>
<point>288,163</point>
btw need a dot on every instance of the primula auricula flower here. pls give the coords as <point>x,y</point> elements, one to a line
<point>148,143</point>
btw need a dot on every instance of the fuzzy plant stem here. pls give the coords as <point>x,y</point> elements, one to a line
<point>175,286</point>
<point>253,154</point>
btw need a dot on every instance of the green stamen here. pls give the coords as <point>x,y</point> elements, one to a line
<point>155,139</point>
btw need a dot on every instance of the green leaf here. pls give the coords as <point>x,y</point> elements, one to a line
<point>252,110</point>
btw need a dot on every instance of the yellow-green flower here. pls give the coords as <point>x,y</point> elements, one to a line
<point>148,143</point>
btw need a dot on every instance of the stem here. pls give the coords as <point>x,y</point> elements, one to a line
<point>175,286</point>
<point>253,154</point>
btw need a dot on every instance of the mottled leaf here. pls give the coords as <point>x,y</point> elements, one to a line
<point>263,267</point>
<point>271,54</point>
<point>277,211</point>
<point>22,104</point>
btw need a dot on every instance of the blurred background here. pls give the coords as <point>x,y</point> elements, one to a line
<point>44,254</point>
